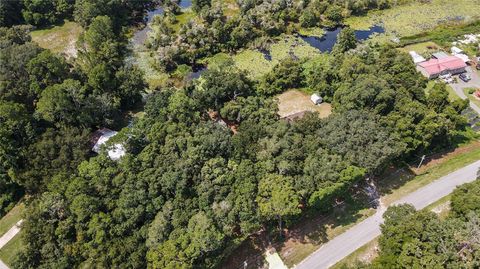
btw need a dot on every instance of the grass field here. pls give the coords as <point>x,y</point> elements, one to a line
<point>59,39</point>
<point>10,250</point>
<point>12,217</point>
<point>295,101</point>
<point>411,19</point>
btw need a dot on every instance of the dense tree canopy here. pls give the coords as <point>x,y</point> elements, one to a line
<point>208,161</point>
<point>412,239</point>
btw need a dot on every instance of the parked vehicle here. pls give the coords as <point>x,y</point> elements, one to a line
<point>465,77</point>
<point>478,66</point>
<point>447,78</point>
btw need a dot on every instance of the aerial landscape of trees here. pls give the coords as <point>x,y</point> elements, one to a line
<point>421,239</point>
<point>189,187</point>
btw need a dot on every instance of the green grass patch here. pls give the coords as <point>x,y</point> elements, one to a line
<point>417,17</point>
<point>59,39</point>
<point>255,63</point>
<point>365,254</point>
<point>421,48</point>
<point>393,189</point>
<point>12,217</point>
<point>11,249</point>
<point>314,31</point>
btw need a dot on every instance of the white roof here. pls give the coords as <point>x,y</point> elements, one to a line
<point>116,151</point>
<point>315,97</point>
<point>417,58</point>
<point>456,50</point>
<point>463,57</point>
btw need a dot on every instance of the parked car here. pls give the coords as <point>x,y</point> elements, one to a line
<point>447,78</point>
<point>478,66</point>
<point>465,77</point>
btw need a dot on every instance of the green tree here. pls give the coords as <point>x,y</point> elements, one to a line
<point>346,41</point>
<point>277,199</point>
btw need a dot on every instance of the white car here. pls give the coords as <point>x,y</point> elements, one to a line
<point>446,78</point>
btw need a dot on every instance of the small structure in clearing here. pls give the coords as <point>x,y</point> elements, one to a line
<point>294,104</point>
<point>316,99</point>
<point>101,137</point>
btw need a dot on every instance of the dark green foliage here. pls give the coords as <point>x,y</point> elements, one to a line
<point>46,12</point>
<point>346,41</point>
<point>465,199</point>
<point>10,13</point>
<point>199,5</point>
<point>222,84</point>
<point>286,75</point>
<point>412,239</point>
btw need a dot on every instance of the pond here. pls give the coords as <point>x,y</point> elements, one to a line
<point>326,42</point>
<point>196,72</point>
<point>140,36</point>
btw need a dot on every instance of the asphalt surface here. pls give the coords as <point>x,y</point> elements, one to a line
<point>341,246</point>
<point>473,83</point>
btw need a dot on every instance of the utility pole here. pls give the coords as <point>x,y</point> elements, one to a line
<point>421,161</point>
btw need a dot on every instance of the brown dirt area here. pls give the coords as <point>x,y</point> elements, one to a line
<point>295,101</point>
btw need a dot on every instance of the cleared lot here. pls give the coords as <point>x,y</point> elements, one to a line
<point>295,101</point>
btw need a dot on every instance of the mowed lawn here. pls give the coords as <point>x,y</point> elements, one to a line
<point>9,251</point>
<point>12,217</point>
<point>295,101</point>
<point>59,39</point>
<point>417,17</point>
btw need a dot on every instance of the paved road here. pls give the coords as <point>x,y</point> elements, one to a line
<point>473,83</point>
<point>357,236</point>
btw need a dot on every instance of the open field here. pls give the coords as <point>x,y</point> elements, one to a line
<point>10,250</point>
<point>411,19</point>
<point>295,101</point>
<point>12,217</point>
<point>421,48</point>
<point>59,39</point>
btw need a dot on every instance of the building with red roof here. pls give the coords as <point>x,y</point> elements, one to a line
<point>436,67</point>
